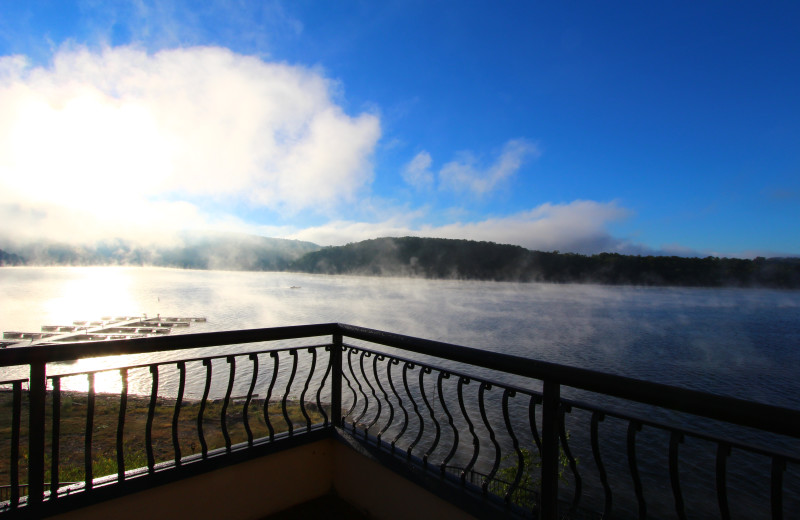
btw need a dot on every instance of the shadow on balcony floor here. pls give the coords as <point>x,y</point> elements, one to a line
<point>324,507</point>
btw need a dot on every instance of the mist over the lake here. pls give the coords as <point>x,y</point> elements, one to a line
<point>740,342</point>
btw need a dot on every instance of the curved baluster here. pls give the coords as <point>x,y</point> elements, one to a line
<point>482,407</point>
<point>203,402</point>
<point>246,408</point>
<point>723,452</point>
<point>123,405</point>
<point>399,402</point>
<point>475,442</point>
<point>313,352</point>
<point>432,414</point>
<point>87,461</point>
<point>357,421</point>
<point>289,424</point>
<point>87,450</point>
<point>535,399</point>
<point>633,427</point>
<point>454,447</point>
<point>374,420</point>
<point>353,390</point>
<point>520,457</point>
<point>181,385</point>
<point>16,416</point>
<point>675,438</point>
<point>151,411</point>
<point>275,365</point>
<point>385,394</point>
<point>416,408</point>
<point>56,454</point>
<point>596,418</point>
<point>776,486</point>
<point>573,465</point>
<point>231,360</point>
<point>320,407</point>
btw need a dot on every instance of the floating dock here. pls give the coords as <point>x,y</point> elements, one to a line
<point>107,328</point>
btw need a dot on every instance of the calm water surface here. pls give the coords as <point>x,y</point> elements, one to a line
<point>737,342</point>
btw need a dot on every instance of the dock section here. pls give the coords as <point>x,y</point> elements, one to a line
<point>107,328</point>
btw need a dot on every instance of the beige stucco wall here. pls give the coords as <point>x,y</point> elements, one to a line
<point>247,491</point>
<point>255,489</point>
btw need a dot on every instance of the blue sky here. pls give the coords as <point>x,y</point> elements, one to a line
<point>638,127</point>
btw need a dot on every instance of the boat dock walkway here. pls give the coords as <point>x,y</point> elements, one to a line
<point>107,328</point>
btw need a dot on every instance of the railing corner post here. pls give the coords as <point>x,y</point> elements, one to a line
<point>551,397</point>
<point>336,379</point>
<point>36,424</point>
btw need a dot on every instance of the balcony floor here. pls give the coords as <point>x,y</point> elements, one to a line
<point>324,507</point>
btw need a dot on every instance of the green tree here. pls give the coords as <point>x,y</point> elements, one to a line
<point>530,482</point>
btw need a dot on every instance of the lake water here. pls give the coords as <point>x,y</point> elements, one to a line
<point>737,342</point>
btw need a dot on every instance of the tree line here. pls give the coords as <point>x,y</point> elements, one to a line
<point>471,260</point>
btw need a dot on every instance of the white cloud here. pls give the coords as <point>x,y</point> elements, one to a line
<point>579,227</point>
<point>146,224</point>
<point>121,142</point>
<point>418,173</point>
<point>341,232</point>
<point>464,174</point>
<point>115,134</point>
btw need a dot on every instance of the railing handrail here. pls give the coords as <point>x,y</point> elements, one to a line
<point>765,417</point>
<point>70,351</point>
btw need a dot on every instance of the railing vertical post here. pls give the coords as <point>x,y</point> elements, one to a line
<point>38,390</point>
<point>336,379</point>
<point>551,396</point>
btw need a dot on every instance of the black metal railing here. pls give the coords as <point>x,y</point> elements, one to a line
<point>204,366</point>
<point>521,436</point>
<point>561,441</point>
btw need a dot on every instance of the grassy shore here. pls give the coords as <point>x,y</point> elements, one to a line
<point>104,430</point>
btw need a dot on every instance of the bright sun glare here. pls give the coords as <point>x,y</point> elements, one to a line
<point>92,294</point>
<point>103,155</point>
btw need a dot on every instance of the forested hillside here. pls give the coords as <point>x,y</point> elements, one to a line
<point>465,259</point>
<point>10,259</point>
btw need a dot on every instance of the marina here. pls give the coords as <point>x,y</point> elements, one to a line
<point>107,328</point>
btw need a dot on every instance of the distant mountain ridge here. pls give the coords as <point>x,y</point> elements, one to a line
<point>470,260</point>
<point>416,257</point>
<point>10,259</point>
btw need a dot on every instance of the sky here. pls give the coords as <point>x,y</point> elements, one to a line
<point>586,127</point>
